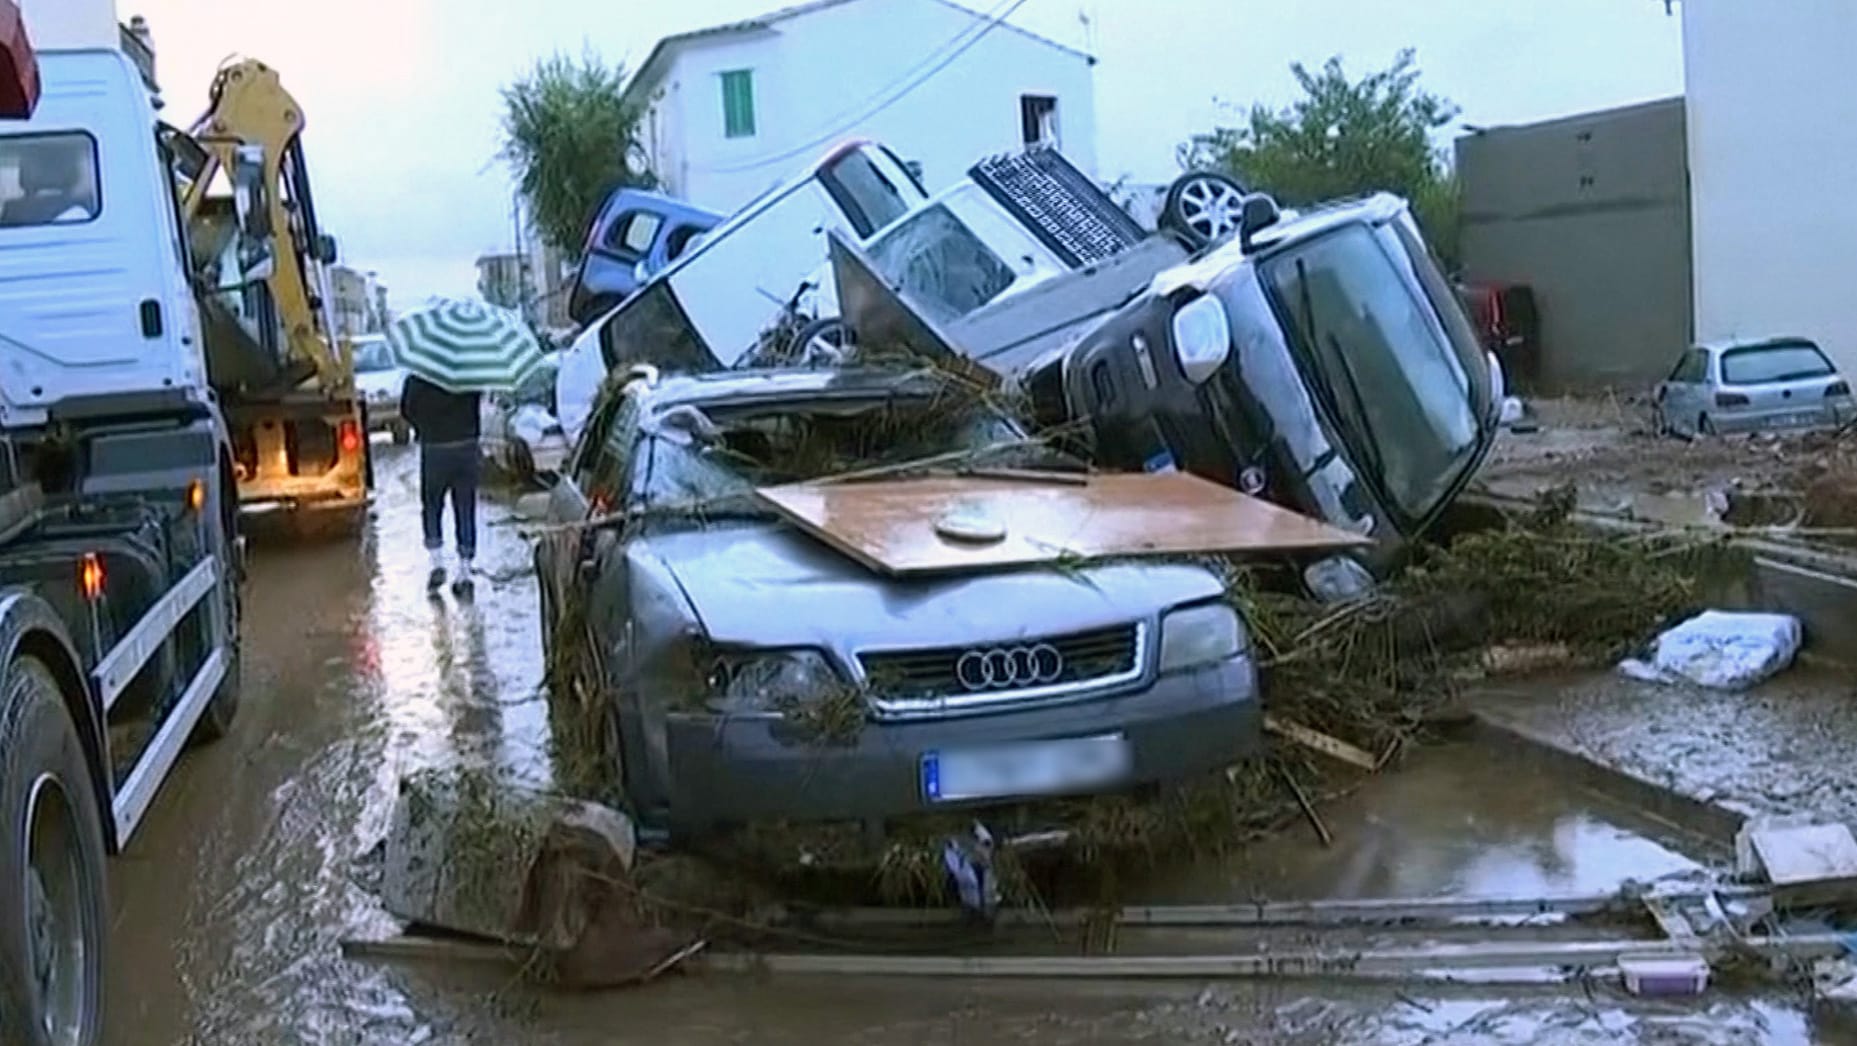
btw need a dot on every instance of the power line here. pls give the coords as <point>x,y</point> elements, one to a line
<point>992,22</point>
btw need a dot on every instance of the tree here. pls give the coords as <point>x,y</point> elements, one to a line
<point>1345,138</point>
<point>571,138</point>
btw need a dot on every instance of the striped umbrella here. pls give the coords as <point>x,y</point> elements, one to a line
<point>465,346</point>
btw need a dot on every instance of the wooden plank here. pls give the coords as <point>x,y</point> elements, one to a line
<point>1433,959</point>
<point>890,525</point>
<point>1317,741</point>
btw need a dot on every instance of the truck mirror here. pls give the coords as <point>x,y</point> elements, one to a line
<point>1260,212</point>
<point>326,252</point>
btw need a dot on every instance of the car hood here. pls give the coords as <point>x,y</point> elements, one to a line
<point>769,585</point>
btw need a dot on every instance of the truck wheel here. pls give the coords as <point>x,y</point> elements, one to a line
<point>51,868</point>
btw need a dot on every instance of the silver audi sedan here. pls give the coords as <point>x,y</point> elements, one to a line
<point>722,628</point>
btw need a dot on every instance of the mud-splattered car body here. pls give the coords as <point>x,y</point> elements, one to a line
<point>721,626</point>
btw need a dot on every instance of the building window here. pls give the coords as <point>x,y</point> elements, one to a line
<point>1038,119</point>
<point>738,104</point>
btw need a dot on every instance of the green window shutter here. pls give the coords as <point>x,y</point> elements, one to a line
<point>738,104</point>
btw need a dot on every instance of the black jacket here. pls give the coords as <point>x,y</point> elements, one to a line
<point>439,416</point>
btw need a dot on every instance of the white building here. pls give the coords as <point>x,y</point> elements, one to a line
<point>735,109</point>
<point>1772,123</point>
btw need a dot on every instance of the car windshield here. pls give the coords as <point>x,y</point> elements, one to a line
<point>710,459</point>
<point>941,266</point>
<point>1394,370</point>
<point>868,195</point>
<point>1779,361</point>
<point>372,357</point>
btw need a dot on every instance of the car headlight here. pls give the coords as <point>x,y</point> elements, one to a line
<point>760,683</point>
<point>1202,338</point>
<point>1338,579</point>
<point>1197,636</point>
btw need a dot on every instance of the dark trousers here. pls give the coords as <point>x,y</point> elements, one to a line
<point>449,469</point>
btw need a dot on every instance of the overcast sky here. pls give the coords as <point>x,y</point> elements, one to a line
<point>403,112</point>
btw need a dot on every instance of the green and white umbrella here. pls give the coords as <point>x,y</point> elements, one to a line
<point>466,346</point>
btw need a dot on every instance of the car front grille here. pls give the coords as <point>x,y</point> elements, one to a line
<point>952,680</point>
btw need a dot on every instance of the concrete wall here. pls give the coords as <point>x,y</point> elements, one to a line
<point>1591,211</point>
<point>815,73</point>
<point>1772,96</point>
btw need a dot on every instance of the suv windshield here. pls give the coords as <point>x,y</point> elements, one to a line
<point>1779,361</point>
<point>941,266</point>
<point>716,455</point>
<point>1395,372</point>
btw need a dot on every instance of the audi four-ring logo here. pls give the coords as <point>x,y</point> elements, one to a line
<point>1009,667</point>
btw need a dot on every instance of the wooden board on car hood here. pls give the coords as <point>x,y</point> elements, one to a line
<point>891,525</point>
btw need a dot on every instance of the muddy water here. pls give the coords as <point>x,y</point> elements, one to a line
<point>231,903</point>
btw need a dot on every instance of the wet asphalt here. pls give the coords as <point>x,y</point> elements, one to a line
<point>230,905</point>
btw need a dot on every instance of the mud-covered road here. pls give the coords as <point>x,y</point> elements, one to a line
<point>231,903</point>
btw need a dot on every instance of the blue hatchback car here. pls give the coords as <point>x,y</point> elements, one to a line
<point>635,234</point>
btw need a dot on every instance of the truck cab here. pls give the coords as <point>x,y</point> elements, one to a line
<point>120,560</point>
<point>94,289</point>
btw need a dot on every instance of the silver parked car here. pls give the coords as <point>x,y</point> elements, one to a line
<point>1752,386</point>
<point>717,620</point>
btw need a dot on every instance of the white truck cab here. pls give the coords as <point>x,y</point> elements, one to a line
<point>94,296</point>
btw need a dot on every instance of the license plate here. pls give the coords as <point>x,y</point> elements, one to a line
<point>1031,768</point>
<point>1804,417</point>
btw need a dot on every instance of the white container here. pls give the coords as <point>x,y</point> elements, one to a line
<point>1664,974</point>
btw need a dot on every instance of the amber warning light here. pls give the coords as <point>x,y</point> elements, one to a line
<point>90,577</point>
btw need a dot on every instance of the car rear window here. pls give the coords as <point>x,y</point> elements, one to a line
<point>1781,361</point>
<point>48,179</point>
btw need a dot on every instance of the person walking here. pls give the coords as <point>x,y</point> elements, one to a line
<point>447,427</point>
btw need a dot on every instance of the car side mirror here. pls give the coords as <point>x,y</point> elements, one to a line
<point>1259,213</point>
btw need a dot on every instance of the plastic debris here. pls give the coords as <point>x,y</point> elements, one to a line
<point>1664,975</point>
<point>1721,650</point>
<point>969,861</point>
<point>1512,410</point>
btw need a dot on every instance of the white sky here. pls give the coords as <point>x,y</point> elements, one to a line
<point>401,96</point>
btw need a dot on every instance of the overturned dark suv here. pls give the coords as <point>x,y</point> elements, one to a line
<point>1321,361</point>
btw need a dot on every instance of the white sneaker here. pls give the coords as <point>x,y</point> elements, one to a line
<point>435,578</point>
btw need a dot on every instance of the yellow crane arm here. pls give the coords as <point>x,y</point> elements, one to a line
<point>248,108</point>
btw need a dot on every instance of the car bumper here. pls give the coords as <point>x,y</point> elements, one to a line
<point>744,770</point>
<point>1827,416</point>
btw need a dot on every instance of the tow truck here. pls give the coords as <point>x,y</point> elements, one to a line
<point>120,560</point>
<point>299,428</point>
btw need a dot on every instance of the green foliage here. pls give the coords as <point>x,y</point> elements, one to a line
<point>1345,138</point>
<point>570,137</point>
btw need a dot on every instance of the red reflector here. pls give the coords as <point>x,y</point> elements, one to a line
<point>1730,399</point>
<point>351,436</point>
<point>90,577</point>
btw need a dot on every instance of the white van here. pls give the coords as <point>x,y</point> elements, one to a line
<point>709,308</point>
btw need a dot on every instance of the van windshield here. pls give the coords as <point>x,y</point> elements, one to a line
<point>1400,383</point>
<point>942,267</point>
<point>48,179</point>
